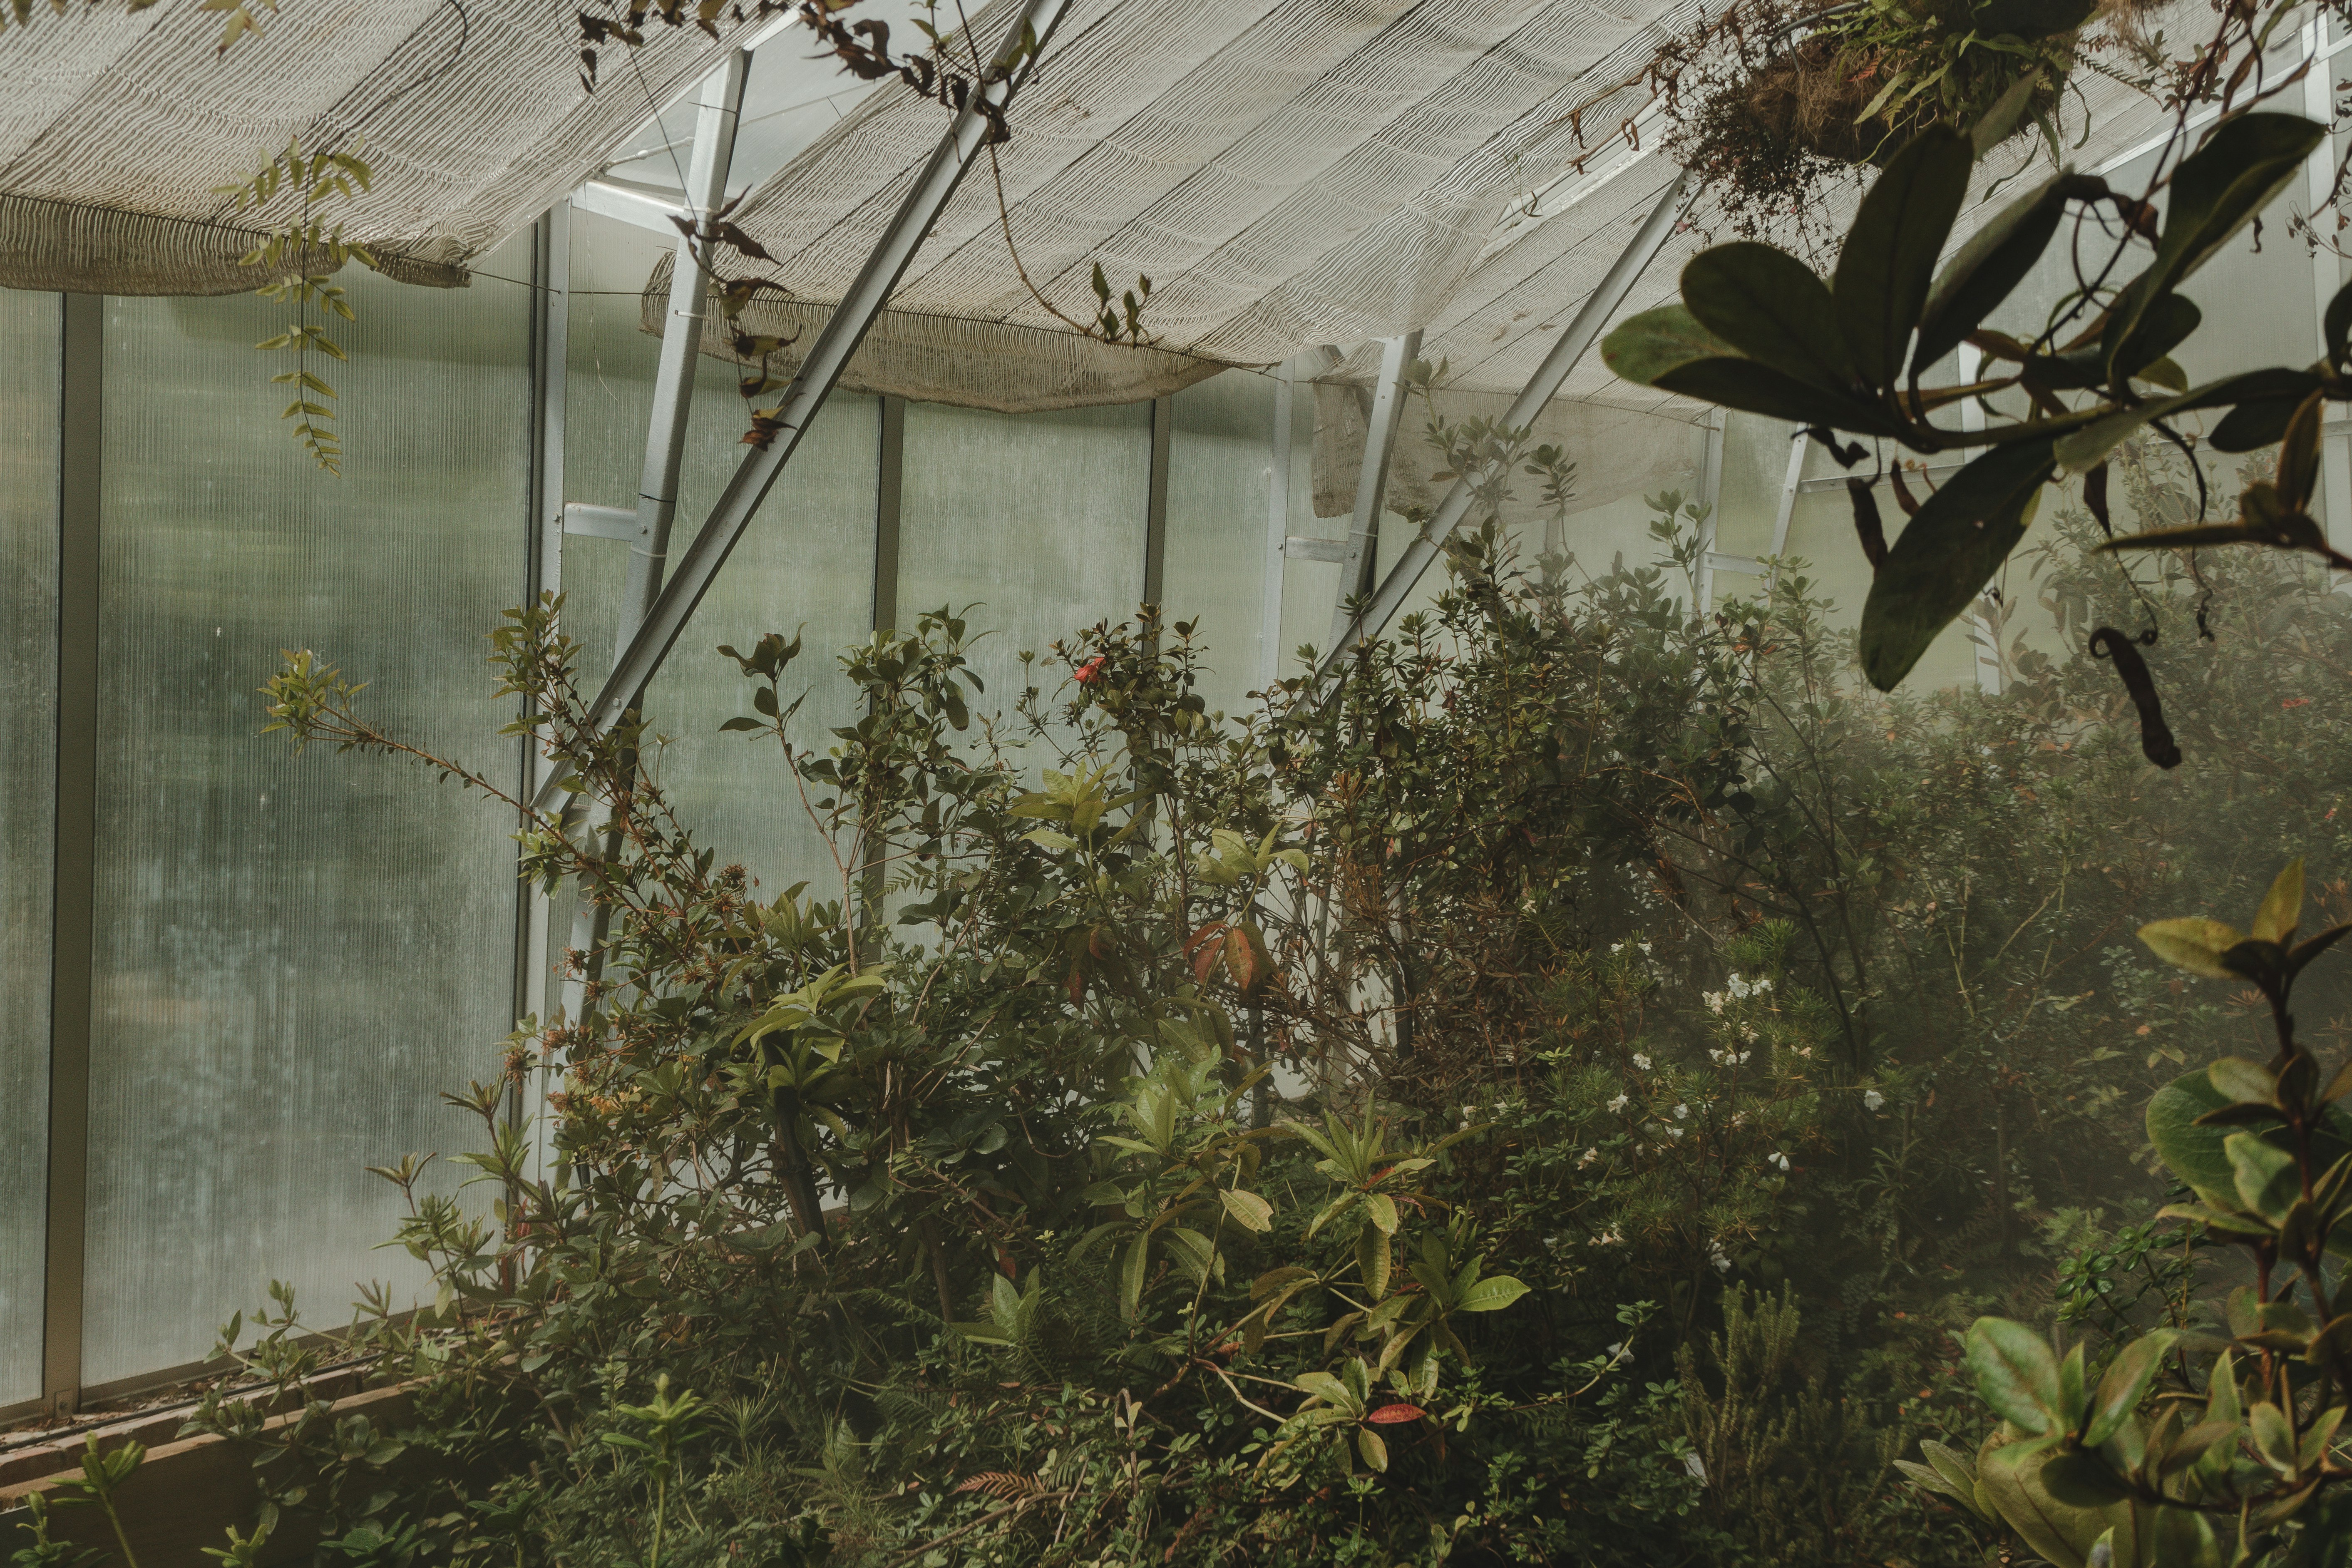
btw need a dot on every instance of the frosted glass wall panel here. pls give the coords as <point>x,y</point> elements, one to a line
<point>293,953</point>
<point>28,696</point>
<point>1220,489</point>
<point>805,566</point>
<point>1038,519</point>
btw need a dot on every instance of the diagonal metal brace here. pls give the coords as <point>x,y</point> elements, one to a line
<point>667,618</point>
<point>1426,547</point>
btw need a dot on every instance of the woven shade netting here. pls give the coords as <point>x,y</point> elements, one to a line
<point>117,127</point>
<point>1289,174</point>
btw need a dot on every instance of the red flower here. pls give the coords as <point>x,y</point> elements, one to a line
<point>1090,669</point>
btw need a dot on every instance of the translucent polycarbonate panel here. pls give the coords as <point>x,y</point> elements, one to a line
<point>805,567</point>
<point>1220,492</point>
<point>29,325</point>
<point>1036,521</point>
<point>294,954</point>
<point>1819,549</point>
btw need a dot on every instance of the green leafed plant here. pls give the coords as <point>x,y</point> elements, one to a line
<point>1851,354</point>
<point>2206,1441</point>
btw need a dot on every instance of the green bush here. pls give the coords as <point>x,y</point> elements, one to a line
<point>1557,1095</point>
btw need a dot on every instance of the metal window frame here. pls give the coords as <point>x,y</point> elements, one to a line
<point>1422,551</point>
<point>1155,502</point>
<point>928,195</point>
<point>1361,560</point>
<point>1278,527</point>
<point>889,493</point>
<point>81,408</point>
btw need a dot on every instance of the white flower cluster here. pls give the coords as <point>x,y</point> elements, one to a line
<point>1589,1155</point>
<point>1641,1061</point>
<point>1729,1058</point>
<point>1618,1103</point>
<point>1737,990</point>
<point>1720,1259</point>
<point>1608,1238</point>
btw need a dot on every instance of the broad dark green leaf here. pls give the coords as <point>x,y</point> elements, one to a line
<point>2165,327</point>
<point>1645,346</point>
<point>2339,325</point>
<point>2216,191</point>
<point>1770,306</point>
<point>1959,537</point>
<point>1888,262</point>
<point>2083,1479</point>
<point>2031,19</point>
<point>1986,269</point>
<point>1754,388</point>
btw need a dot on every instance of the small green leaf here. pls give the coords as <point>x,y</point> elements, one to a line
<point>2193,943</point>
<point>2240,1081</point>
<point>2126,1384</point>
<point>2266,1177</point>
<point>1375,1450</point>
<point>1248,1210</point>
<point>1491,1294</point>
<point>2273,1437</point>
<point>2282,909</point>
<point>2016,1373</point>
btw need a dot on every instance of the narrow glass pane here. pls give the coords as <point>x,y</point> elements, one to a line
<point>1220,484</point>
<point>1035,521</point>
<point>29,325</point>
<point>804,567</point>
<point>294,953</point>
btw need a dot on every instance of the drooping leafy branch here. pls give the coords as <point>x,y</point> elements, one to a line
<point>1758,331</point>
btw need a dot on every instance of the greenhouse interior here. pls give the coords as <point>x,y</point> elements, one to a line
<point>1100,782</point>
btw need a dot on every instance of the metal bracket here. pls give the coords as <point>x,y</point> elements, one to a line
<point>641,209</point>
<point>581,520</point>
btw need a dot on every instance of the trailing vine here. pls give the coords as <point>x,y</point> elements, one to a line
<point>302,253</point>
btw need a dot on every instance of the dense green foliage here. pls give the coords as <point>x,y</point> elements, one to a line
<point>1557,1098</point>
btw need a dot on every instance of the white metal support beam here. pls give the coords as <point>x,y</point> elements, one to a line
<point>1277,530</point>
<point>1710,496</point>
<point>550,318</point>
<point>681,343</point>
<point>721,106</point>
<point>2326,275</point>
<point>1426,547</point>
<point>1372,477</point>
<point>697,569</point>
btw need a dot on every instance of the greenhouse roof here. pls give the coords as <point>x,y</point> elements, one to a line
<point>1289,172</point>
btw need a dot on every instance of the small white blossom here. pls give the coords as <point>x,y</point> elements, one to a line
<point>1618,1103</point>
<point>1874,1100</point>
<point>1720,1259</point>
<point>1682,1112</point>
<point>1781,1161</point>
<point>1641,1061</point>
<point>1715,1000</point>
<point>1645,947</point>
<point>1589,1155</point>
<point>1607,1238</point>
<point>1673,1133</point>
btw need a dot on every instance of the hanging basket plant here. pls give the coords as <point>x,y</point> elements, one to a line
<point>1772,99</point>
